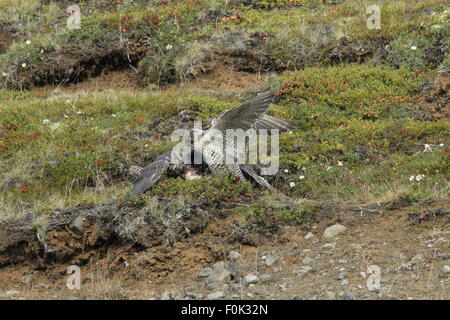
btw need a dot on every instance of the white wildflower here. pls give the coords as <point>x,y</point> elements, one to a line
<point>4,74</point>
<point>28,42</point>
<point>292,184</point>
<point>286,170</point>
<point>302,177</point>
<point>427,148</point>
<point>413,48</point>
<point>411,178</point>
<point>169,47</point>
<point>45,121</point>
<point>24,65</point>
<point>113,115</point>
<point>420,177</point>
<point>441,145</point>
<point>340,163</point>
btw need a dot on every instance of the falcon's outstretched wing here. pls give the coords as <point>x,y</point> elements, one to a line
<point>245,115</point>
<point>269,122</point>
<point>150,174</point>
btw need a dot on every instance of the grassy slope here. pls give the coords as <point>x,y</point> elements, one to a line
<point>359,139</point>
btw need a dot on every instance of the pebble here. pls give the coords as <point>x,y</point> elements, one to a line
<point>418,259</point>
<point>309,235</point>
<point>270,260</point>
<point>445,269</point>
<point>334,230</point>
<point>348,296</point>
<point>205,272</point>
<point>330,245</point>
<point>168,295</point>
<point>26,279</point>
<point>250,279</point>
<point>329,295</point>
<point>234,255</point>
<point>307,261</point>
<point>11,293</point>
<point>341,275</point>
<point>216,295</point>
<point>265,277</point>
<point>303,270</point>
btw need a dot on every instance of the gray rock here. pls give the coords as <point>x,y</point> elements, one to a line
<point>235,288</point>
<point>407,266</point>
<point>42,286</point>
<point>234,255</point>
<point>342,261</point>
<point>303,270</point>
<point>219,273</point>
<point>334,230</point>
<point>215,285</point>
<point>418,259</point>
<point>309,235</point>
<point>270,260</point>
<point>329,245</point>
<point>233,268</point>
<point>341,275</point>
<point>205,272</point>
<point>329,295</point>
<point>26,279</point>
<point>250,279</point>
<point>445,269</point>
<point>307,260</point>
<point>168,295</point>
<point>11,293</point>
<point>348,296</point>
<point>216,295</point>
<point>265,277</point>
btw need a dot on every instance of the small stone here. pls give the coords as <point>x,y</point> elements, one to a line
<point>250,279</point>
<point>233,268</point>
<point>418,259</point>
<point>342,261</point>
<point>236,288</point>
<point>42,286</point>
<point>363,274</point>
<point>303,270</point>
<point>407,266</point>
<point>344,282</point>
<point>445,269</point>
<point>341,275</point>
<point>11,293</point>
<point>216,295</point>
<point>265,277</point>
<point>329,295</point>
<point>334,230</point>
<point>205,272</point>
<point>307,261</point>
<point>348,296</point>
<point>329,245</point>
<point>26,279</point>
<point>309,235</point>
<point>168,295</point>
<point>234,255</point>
<point>214,285</point>
<point>219,272</point>
<point>270,260</point>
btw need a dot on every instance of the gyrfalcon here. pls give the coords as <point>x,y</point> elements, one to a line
<point>249,115</point>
